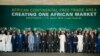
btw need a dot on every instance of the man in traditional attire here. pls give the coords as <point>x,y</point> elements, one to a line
<point>19,41</point>
<point>8,42</point>
<point>62,42</point>
<point>2,41</point>
<point>80,42</point>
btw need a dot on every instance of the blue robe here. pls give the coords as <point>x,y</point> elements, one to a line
<point>19,41</point>
<point>69,43</point>
<point>97,44</point>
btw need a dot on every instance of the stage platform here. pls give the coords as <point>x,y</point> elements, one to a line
<point>46,54</point>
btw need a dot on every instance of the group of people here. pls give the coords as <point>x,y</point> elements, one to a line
<point>49,41</point>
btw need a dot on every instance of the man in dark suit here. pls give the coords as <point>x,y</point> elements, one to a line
<point>75,40</point>
<point>25,41</point>
<point>55,42</point>
<point>14,42</point>
<point>49,41</point>
<point>85,40</point>
<point>91,42</point>
<point>69,42</point>
<point>37,41</point>
<point>43,42</point>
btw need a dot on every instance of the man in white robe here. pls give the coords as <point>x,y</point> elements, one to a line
<point>62,42</point>
<point>2,44</point>
<point>80,42</point>
<point>8,42</point>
